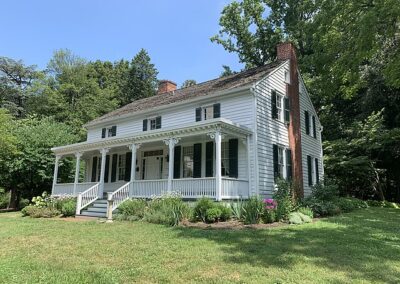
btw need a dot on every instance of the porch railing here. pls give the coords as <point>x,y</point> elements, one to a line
<point>234,188</point>
<point>148,188</point>
<point>68,188</point>
<point>195,187</point>
<point>119,196</point>
<point>87,197</point>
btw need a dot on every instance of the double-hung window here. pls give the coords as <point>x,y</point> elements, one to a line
<point>109,131</point>
<point>208,112</point>
<point>152,123</point>
<point>187,161</point>
<point>280,107</point>
<point>225,159</point>
<point>121,167</point>
<point>282,162</point>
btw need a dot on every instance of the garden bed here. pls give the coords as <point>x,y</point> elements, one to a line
<point>230,225</point>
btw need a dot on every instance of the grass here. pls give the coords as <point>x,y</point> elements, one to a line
<point>359,247</point>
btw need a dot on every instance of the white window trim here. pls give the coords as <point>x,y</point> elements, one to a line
<point>286,76</point>
<point>204,112</point>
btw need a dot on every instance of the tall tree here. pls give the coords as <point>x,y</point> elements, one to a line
<point>142,78</point>
<point>15,79</point>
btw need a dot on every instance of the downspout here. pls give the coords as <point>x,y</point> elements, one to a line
<point>255,142</point>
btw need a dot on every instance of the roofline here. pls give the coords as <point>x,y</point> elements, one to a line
<point>166,106</point>
<point>187,130</point>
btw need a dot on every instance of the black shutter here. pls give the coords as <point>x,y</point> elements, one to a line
<point>177,162</point>
<point>307,122</point>
<point>114,130</point>
<point>144,124</point>
<point>314,129</point>
<point>287,109</point>
<point>106,171</point>
<point>103,133</point>
<point>209,159</point>
<point>94,168</point>
<point>316,171</point>
<point>289,169</point>
<point>114,168</point>
<point>217,110</point>
<point>197,160</point>
<point>275,157</point>
<point>198,114</point>
<point>309,168</point>
<point>128,166</point>
<point>233,158</point>
<point>158,122</point>
<point>273,105</point>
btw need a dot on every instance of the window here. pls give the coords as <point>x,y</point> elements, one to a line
<point>287,77</point>
<point>307,122</point>
<point>109,131</point>
<point>188,161</point>
<point>316,170</point>
<point>314,129</point>
<point>208,112</point>
<point>310,170</point>
<point>282,162</point>
<point>225,159</point>
<point>280,107</point>
<point>121,167</point>
<point>152,123</point>
<point>98,169</point>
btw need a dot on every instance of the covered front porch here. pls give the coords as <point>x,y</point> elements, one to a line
<point>208,159</point>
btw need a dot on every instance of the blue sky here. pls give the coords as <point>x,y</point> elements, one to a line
<point>176,33</point>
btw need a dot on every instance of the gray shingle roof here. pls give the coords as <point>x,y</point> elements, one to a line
<point>240,79</point>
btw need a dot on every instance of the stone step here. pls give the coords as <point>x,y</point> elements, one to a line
<point>102,205</point>
<point>102,201</point>
<point>96,209</point>
<point>93,214</point>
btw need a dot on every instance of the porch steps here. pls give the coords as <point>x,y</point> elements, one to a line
<point>96,209</point>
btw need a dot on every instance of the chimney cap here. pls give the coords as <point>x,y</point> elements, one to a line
<point>165,86</point>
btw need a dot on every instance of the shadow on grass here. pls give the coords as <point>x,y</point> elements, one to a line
<point>364,245</point>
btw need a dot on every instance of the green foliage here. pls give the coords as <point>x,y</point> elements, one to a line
<point>168,210</point>
<point>188,83</point>
<point>133,207</point>
<point>347,204</point>
<point>4,198</point>
<point>226,212</point>
<point>326,191</point>
<point>213,214</point>
<point>299,218</point>
<point>306,211</point>
<point>237,209</point>
<point>383,204</point>
<point>269,216</point>
<point>68,208</point>
<point>253,209</point>
<point>40,212</point>
<point>284,197</point>
<point>200,208</point>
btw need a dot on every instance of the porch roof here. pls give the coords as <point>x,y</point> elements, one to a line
<point>186,130</point>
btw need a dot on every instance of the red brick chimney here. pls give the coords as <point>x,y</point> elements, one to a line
<point>287,51</point>
<point>166,86</point>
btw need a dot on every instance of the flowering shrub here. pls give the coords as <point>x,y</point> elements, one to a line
<point>270,210</point>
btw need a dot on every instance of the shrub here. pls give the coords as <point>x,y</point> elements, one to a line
<point>253,210</point>
<point>322,208</point>
<point>23,203</point>
<point>168,210</point>
<point>299,218</point>
<point>226,212</point>
<point>40,212</point>
<point>68,208</point>
<point>132,207</point>
<point>200,208</point>
<point>269,216</point>
<point>350,204</point>
<point>284,197</point>
<point>326,191</point>
<point>306,211</point>
<point>213,214</point>
<point>4,199</point>
<point>386,204</point>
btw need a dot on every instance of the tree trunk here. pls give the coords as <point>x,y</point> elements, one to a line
<point>13,203</point>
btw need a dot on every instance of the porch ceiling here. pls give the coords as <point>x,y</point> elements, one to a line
<point>226,126</point>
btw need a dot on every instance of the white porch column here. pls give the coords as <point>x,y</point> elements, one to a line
<point>134,147</point>
<point>217,136</point>
<point>171,143</point>
<point>77,168</point>
<point>102,170</point>
<point>249,175</point>
<point>58,157</point>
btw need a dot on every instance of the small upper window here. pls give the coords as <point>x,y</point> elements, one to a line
<point>208,112</point>
<point>152,123</point>
<point>287,77</point>
<point>109,132</point>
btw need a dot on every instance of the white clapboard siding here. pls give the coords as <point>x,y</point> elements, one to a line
<point>235,108</point>
<point>310,145</point>
<point>269,131</point>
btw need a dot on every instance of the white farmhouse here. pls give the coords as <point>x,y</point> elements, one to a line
<point>226,138</point>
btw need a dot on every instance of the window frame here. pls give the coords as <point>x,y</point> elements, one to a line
<point>205,112</point>
<point>225,159</point>
<point>121,157</point>
<point>186,170</point>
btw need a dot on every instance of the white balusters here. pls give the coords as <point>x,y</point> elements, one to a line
<point>87,197</point>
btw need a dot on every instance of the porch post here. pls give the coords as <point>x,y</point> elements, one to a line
<point>133,147</point>
<point>78,158</point>
<point>249,176</point>
<point>171,143</point>
<point>217,136</point>
<point>218,176</point>
<point>58,157</point>
<point>103,152</point>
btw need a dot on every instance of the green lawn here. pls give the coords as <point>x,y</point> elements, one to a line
<point>362,247</point>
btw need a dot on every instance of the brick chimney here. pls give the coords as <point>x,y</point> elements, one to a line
<point>287,51</point>
<point>165,86</point>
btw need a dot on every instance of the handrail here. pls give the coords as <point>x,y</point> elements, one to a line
<point>87,197</point>
<point>114,199</point>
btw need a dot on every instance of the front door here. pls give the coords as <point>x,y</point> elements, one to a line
<point>152,166</point>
